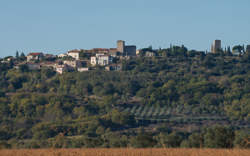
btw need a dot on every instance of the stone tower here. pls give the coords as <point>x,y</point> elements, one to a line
<point>248,49</point>
<point>216,46</point>
<point>121,46</point>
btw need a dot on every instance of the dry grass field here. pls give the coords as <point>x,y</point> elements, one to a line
<point>126,152</point>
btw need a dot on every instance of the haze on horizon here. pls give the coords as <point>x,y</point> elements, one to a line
<point>60,25</point>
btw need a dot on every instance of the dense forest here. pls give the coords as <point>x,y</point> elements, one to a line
<point>177,98</point>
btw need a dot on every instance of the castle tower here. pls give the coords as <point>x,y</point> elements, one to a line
<point>121,46</point>
<point>216,46</point>
<point>248,49</point>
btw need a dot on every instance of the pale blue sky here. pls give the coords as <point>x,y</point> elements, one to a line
<point>55,26</point>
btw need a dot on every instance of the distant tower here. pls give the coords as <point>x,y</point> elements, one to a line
<point>248,49</point>
<point>121,46</point>
<point>216,46</point>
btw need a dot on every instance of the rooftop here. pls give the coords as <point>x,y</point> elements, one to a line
<point>35,54</point>
<point>74,51</point>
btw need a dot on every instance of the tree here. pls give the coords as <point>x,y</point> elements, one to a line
<point>122,118</point>
<point>219,137</point>
<point>238,49</point>
<point>24,68</point>
<point>242,139</point>
<point>17,54</point>
<point>209,61</point>
<point>172,140</point>
<point>229,50</point>
<point>195,140</point>
<point>47,73</point>
<point>143,140</point>
<point>22,56</point>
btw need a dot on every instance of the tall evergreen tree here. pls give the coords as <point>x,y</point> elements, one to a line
<point>22,54</point>
<point>228,49</point>
<point>243,49</point>
<point>17,54</point>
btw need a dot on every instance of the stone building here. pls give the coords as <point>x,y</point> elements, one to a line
<point>129,50</point>
<point>248,49</point>
<point>100,50</point>
<point>216,46</point>
<point>113,52</point>
<point>121,46</point>
<point>34,56</point>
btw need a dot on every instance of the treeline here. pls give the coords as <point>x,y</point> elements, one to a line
<point>44,106</point>
<point>213,137</point>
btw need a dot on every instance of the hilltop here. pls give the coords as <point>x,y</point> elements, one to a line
<point>160,97</point>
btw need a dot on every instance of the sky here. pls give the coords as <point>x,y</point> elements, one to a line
<point>56,26</point>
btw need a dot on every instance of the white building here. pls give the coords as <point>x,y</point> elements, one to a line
<point>61,68</point>
<point>83,69</point>
<point>138,52</point>
<point>93,60</point>
<point>104,60</point>
<point>74,64</point>
<point>62,55</point>
<point>101,59</point>
<point>149,54</point>
<point>75,54</point>
<point>34,56</point>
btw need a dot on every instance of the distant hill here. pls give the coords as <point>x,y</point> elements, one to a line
<point>175,98</point>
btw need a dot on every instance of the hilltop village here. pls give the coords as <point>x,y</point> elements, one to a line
<point>109,59</point>
<point>79,60</point>
<point>124,97</point>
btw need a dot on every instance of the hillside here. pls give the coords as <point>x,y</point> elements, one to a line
<point>176,98</point>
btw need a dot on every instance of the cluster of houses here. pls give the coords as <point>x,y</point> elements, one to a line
<point>85,60</point>
<point>82,60</point>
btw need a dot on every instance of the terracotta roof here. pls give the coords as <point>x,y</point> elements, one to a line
<point>101,49</point>
<point>74,51</point>
<point>35,54</point>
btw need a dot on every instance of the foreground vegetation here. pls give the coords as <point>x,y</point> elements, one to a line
<point>126,152</point>
<point>175,99</point>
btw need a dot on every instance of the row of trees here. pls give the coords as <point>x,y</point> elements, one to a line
<point>214,137</point>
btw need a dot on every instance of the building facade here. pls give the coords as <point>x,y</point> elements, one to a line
<point>129,50</point>
<point>62,68</point>
<point>101,59</point>
<point>248,49</point>
<point>121,46</point>
<point>34,56</point>
<point>74,64</point>
<point>62,55</point>
<point>216,46</point>
<point>149,54</point>
<point>104,60</point>
<point>74,54</point>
